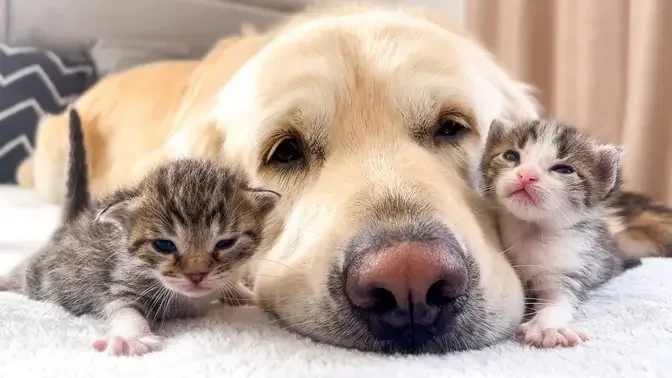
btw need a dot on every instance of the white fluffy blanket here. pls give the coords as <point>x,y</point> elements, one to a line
<point>630,321</point>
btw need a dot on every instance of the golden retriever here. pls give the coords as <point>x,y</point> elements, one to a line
<point>368,121</point>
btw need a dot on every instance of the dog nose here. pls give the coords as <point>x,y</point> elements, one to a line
<point>408,286</point>
<point>196,278</point>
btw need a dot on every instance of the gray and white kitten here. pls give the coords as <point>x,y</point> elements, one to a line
<point>551,184</point>
<point>165,248</point>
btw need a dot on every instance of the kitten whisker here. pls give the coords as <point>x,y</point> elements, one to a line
<point>542,267</point>
<point>268,275</point>
<point>272,261</point>
<point>569,223</point>
<point>507,250</point>
<point>487,209</point>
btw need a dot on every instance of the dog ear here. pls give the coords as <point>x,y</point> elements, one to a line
<point>521,101</point>
<point>519,98</point>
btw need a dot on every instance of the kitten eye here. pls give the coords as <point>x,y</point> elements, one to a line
<point>287,153</point>
<point>562,169</point>
<point>225,243</point>
<point>449,129</point>
<point>164,246</point>
<point>511,156</point>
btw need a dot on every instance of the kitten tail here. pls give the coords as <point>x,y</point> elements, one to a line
<point>77,197</point>
<point>631,263</point>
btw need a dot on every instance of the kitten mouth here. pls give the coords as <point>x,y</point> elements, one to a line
<point>196,288</point>
<point>524,195</point>
<point>191,289</point>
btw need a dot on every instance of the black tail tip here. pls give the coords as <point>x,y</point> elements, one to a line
<point>74,114</point>
<point>631,263</point>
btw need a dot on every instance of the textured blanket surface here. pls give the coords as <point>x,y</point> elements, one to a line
<point>630,321</point>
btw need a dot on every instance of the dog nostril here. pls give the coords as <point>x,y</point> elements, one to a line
<point>436,294</point>
<point>443,293</point>
<point>383,301</point>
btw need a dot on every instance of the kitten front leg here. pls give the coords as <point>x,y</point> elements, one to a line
<point>129,335</point>
<point>550,325</point>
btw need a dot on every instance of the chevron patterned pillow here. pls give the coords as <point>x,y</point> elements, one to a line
<point>33,82</point>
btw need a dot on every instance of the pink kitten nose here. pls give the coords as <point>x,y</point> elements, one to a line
<point>196,278</point>
<point>527,176</point>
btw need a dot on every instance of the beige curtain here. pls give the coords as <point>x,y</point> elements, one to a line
<point>603,65</point>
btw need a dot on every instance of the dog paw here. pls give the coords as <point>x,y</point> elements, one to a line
<point>128,346</point>
<point>535,334</point>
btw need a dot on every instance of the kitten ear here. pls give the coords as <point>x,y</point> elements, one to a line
<point>263,200</point>
<point>496,131</point>
<point>608,167</point>
<point>118,211</point>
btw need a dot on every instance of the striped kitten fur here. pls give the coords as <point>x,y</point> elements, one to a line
<point>643,228</point>
<point>163,249</point>
<point>552,184</point>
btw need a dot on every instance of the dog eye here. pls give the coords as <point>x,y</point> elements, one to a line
<point>226,243</point>
<point>449,128</point>
<point>287,153</point>
<point>562,169</point>
<point>164,246</point>
<point>511,156</point>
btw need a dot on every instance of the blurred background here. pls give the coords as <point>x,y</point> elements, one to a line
<point>603,65</point>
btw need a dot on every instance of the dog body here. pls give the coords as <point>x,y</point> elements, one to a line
<point>147,114</point>
<point>368,122</point>
<point>129,116</point>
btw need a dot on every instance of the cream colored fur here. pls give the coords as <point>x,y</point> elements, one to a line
<point>353,81</point>
<point>357,81</point>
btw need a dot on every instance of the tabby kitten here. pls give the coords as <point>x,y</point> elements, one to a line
<point>165,248</point>
<point>551,184</point>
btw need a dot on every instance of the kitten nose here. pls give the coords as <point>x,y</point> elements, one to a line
<point>527,176</point>
<point>196,278</point>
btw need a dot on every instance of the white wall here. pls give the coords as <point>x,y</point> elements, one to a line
<point>66,24</point>
<point>4,24</point>
<point>456,10</point>
<point>73,23</point>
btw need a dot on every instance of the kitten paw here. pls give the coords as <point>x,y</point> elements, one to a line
<point>128,346</point>
<point>573,337</point>
<point>535,334</point>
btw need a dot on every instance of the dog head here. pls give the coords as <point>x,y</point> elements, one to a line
<point>368,123</point>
